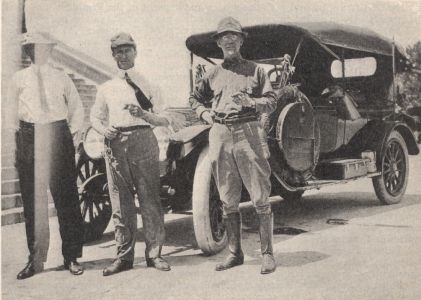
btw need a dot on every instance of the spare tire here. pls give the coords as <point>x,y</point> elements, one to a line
<point>298,137</point>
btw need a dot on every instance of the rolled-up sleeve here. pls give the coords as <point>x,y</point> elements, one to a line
<point>201,97</point>
<point>76,112</point>
<point>99,111</point>
<point>157,101</point>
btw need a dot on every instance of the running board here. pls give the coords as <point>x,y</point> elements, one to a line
<point>317,184</point>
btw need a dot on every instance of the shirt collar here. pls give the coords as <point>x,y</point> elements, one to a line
<point>38,68</point>
<point>131,72</point>
<point>233,61</point>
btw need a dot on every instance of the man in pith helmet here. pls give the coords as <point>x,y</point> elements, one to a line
<point>237,91</point>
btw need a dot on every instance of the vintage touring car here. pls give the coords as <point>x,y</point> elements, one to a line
<point>336,121</point>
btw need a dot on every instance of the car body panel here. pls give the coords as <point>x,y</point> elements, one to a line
<point>263,41</point>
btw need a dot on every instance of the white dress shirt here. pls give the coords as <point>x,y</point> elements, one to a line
<point>23,98</point>
<point>115,94</point>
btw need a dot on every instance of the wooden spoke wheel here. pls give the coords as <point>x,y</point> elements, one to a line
<point>390,186</point>
<point>94,198</point>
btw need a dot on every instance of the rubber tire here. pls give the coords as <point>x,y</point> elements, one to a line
<point>378,182</point>
<point>200,202</point>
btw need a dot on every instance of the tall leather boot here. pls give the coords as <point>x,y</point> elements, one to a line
<point>266,235</point>
<point>236,256</point>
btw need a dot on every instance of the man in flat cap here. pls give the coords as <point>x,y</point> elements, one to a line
<point>45,110</point>
<point>237,90</point>
<point>125,109</point>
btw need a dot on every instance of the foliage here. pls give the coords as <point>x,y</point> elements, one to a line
<point>410,80</point>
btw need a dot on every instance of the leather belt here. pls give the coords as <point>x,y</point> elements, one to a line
<point>132,128</point>
<point>235,120</point>
<point>24,124</point>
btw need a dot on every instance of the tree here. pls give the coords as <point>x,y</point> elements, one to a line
<point>410,80</point>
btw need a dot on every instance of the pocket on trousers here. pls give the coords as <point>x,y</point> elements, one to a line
<point>263,141</point>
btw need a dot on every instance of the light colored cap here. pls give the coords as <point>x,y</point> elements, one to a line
<point>36,38</point>
<point>229,24</point>
<point>122,38</point>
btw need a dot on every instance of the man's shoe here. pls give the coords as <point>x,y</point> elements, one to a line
<point>236,257</point>
<point>266,237</point>
<point>230,262</point>
<point>117,266</point>
<point>73,266</point>
<point>158,263</point>
<point>30,270</point>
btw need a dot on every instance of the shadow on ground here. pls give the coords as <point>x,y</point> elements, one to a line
<point>305,216</point>
<point>293,259</point>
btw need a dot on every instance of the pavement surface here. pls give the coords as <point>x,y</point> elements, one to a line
<point>337,243</point>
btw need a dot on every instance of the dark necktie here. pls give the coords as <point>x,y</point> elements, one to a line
<point>144,102</point>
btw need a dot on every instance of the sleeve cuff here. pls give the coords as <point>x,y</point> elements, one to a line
<point>200,110</point>
<point>167,116</point>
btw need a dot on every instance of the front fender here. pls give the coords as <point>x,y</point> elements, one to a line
<point>187,139</point>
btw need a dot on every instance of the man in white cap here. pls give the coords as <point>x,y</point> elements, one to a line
<point>237,91</point>
<point>45,110</point>
<point>124,111</point>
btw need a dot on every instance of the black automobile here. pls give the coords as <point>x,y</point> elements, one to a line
<point>336,121</point>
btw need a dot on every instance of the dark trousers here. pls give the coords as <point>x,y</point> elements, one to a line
<point>45,156</point>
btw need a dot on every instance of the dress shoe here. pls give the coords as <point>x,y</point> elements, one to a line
<point>117,266</point>
<point>230,262</point>
<point>236,257</point>
<point>158,263</point>
<point>266,237</point>
<point>30,269</point>
<point>73,266</point>
<point>268,264</point>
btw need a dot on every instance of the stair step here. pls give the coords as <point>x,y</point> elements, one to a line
<point>15,200</point>
<point>9,187</point>
<point>7,155</point>
<point>78,80</point>
<point>86,87</point>
<point>11,201</point>
<point>87,97</point>
<point>9,173</point>
<point>7,138</point>
<point>15,215</point>
<point>7,144</point>
<point>7,163</point>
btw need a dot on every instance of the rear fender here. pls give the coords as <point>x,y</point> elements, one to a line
<point>377,139</point>
<point>373,137</point>
<point>409,138</point>
<point>183,142</point>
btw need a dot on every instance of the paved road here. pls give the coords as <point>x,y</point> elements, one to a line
<point>374,255</point>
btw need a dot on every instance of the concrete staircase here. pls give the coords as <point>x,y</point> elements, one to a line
<point>11,201</point>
